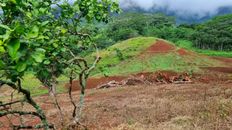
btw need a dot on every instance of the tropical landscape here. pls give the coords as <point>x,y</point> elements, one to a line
<point>115,65</point>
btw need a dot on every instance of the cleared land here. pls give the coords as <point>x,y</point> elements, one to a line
<point>140,107</point>
<point>204,104</point>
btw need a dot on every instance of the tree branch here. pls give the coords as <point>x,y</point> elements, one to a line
<point>11,103</point>
<point>28,99</point>
<point>98,58</point>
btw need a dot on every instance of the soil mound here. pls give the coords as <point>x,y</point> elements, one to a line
<point>160,47</point>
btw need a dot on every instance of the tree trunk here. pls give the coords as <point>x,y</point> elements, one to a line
<point>34,104</point>
<point>52,93</point>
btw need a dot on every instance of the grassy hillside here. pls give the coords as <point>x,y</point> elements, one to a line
<point>125,50</point>
<point>131,56</point>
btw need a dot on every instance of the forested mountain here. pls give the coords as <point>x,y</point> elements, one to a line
<point>214,34</point>
<point>181,17</point>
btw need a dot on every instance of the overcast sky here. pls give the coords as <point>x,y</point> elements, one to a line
<point>199,7</point>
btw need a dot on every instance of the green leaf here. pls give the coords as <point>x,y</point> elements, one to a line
<point>13,47</point>
<point>55,45</point>
<point>6,36</point>
<point>42,10</point>
<point>2,50</point>
<point>34,32</point>
<point>1,42</point>
<point>2,4</point>
<point>47,62</point>
<point>63,49</point>
<point>63,30</point>
<point>44,23</point>
<point>29,15</point>
<point>1,64</point>
<point>39,55</point>
<point>13,1</point>
<point>21,66</point>
<point>5,27</point>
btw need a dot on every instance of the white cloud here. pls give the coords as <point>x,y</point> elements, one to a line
<point>196,7</point>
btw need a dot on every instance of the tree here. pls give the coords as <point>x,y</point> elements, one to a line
<point>47,38</point>
<point>215,34</point>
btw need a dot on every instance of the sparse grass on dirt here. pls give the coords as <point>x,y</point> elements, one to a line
<point>153,107</point>
<point>162,107</point>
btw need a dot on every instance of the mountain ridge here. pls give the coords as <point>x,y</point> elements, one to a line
<point>181,17</point>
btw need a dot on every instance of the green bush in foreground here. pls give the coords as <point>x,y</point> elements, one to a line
<point>46,38</point>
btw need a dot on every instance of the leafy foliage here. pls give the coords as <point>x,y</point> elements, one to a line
<point>45,37</point>
<point>215,34</point>
<point>212,35</point>
<point>133,24</point>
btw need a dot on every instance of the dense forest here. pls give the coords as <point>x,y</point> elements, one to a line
<point>214,34</point>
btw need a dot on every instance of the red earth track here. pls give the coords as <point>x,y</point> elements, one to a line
<point>183,52</point>
<point>160,47</point>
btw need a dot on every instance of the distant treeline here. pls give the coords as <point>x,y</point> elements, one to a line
<point>215,34</point>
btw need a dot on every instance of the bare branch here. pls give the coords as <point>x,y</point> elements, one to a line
<point>79,59</point>
<point>28,99</point>
<point>11,103</point>
<point>98,58</point>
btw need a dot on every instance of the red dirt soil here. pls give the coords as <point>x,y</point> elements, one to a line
<point>160,47</point>
<point>148,105</point>
<point>223,59</point>
<point>182,52</point>
<point>29,120</point>
<point>220,69</point>
<point>94,82</point>
<point>152,76</point>
<point>226,61</point>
